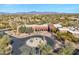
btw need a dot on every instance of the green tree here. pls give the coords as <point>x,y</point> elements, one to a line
<point>24,29</point>
<point>5,47</point>
<point>54,30</point>
<point>66,50</point>
<point>46,49</point>
<point>66,36</point>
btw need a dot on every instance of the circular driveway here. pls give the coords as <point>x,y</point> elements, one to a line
<point>20,47</point>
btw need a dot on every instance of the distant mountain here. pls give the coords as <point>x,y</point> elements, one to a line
<point>4,13</point>
<point>34,12</point>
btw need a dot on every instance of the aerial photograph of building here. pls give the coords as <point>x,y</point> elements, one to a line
<point>39,29</point>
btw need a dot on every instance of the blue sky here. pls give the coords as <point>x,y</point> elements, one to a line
<point>67,8</point>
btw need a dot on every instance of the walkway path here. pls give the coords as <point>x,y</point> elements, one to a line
<point>24,35</point>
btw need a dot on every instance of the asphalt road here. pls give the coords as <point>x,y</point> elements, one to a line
<point>20,47</point>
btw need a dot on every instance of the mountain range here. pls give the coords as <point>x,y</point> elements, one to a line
<point>34,12</point>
